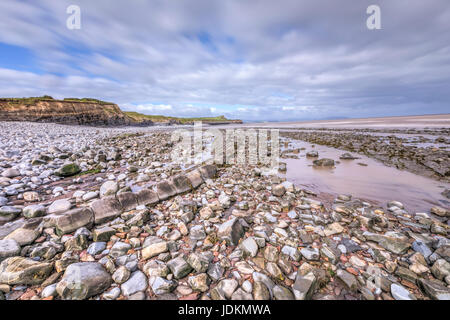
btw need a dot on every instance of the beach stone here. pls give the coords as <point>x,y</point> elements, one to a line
<point>224,200</point>
<point>10,173</point>
<point>325,162</point>
<point>231,231</point>
<point>334,228</point>
<point>127,200</point>
<point>71,220</point>
<point>103,234</point>
<point>310,253</point>
<point>156,268</point>
<point>440,269</point>
<point>154,249</point>
<point>59,206</point>
<point>147,197</point>
<point>347,156</point>
<point>96,248</point>
<point>8,213</point>
<point>23,271</point>
<point>161,286</point>
<point>197,232</point>
<point>224,289</point>
<point>258,276</point>
<point>198,262</point>
<point>83,280</point>
<point>271,253</point>
<point>304,286</point>
<point>312,154</point>
<point>33,211</point>
<point>422,248</point>
<point>68,170</point>
<point>278,190</point>
<point>436,290</point>
<point>348,279</point>
<point>8,248</point>
<point>282,293</point>
<point>350,245</point>
<point>27,233</point>
<point>179,267</point>
<point>195,178</point>
<point>165,190</point>
<point>240,294</point>
<point>90,195</point>
<point>106,209</point>
<point>394,245</point>
<point>208,171</point>
<point>396,204</point>
<point>49,291</point>
<point>260,291</point>
<point>275,271</point>
<point>108,188</point>
<point>136,283</point>
<point>206,213</point>
<point>31,196</point>
<point>76,243</point>
<point>112,294</point>
<point>199,282</point>
<point>292,252</point>
<point>400,293</point>
<point>440,211</point>
<point>119,249</point>
<point>249,246</point>
<point>182,183</point>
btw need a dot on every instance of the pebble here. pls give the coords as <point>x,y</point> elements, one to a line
<point>240,233</point>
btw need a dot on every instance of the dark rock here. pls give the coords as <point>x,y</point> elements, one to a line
<point>165,190</point>
<point>182,183</point>
<point>68,170</point>
<point>106,209</point>
<point>147,197</point>
<point>324,162</point>
<point>128,200</point>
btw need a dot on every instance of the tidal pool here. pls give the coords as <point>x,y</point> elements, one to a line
<point>363,178</point>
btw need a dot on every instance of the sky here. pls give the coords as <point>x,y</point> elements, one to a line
<point>256,60</point>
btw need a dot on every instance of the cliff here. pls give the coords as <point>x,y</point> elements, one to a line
<point>87,111</point>
<point>67,111</point>
<point>158,119</point>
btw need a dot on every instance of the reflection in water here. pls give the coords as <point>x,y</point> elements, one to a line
<point>372,182</point>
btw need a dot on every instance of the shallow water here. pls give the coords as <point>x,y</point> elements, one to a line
<point>375,181</point>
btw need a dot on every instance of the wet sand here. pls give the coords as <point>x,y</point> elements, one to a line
<point>375,181</point>
<point>422,121</point>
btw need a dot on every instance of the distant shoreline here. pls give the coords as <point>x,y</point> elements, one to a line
<point>431,120</point>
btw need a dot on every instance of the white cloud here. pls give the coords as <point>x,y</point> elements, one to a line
<point>318,55</point>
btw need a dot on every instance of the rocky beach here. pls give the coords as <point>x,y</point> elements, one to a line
<point>104,213</point>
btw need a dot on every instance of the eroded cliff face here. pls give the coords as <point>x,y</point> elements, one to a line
<point>67,112</point>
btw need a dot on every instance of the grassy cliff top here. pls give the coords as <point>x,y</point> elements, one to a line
<point>33,100</point>
<point>158,118</point>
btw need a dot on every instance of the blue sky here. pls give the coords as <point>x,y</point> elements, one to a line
<point>254,60</point>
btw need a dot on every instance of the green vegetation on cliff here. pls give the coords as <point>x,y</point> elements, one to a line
<point>158,118</point>
<point>34,100</point>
